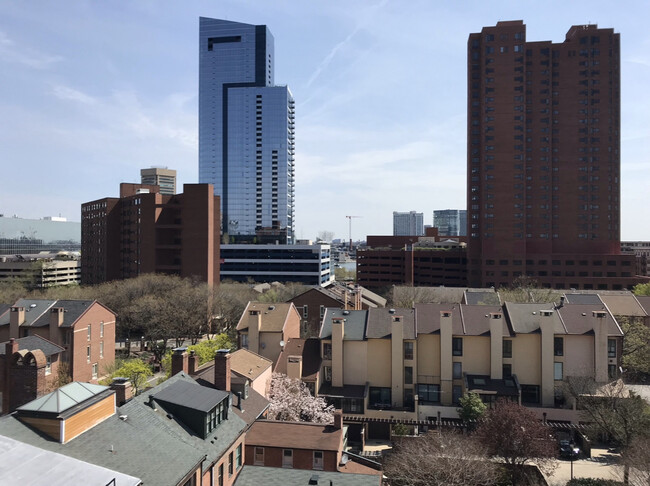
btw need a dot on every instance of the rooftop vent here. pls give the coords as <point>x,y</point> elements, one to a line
<point>346,312</point>
<point>546,312</point>
<point>391,311</point>
<point>271,307</point>
<point>599,314</point>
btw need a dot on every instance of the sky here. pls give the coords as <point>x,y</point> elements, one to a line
<point>93,91</point>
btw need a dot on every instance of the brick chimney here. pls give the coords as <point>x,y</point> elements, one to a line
<point>222,370</point>
<point>192,363</point>
<point>10,348</point>
<point>123,390</point>
<point>16,319</point>
<point>294,367</point>
<point>179,360</point>
<point>338,418</point>
<point>56,320</point>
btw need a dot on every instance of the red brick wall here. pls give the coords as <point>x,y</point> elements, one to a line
<point>302,458</point>
<point>228,480</point>
<point>80,368</point>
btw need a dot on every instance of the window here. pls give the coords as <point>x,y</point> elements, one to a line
<point>305,312</point>
<point>456,393</point>
<point>89,327</point>
<point>95,369</point>
<point>612,371</point>
<point>506,370</point>
<point>259,456</point>
<point>238,457</point>
<point>327,350</point>
<point>408,350</point>
<point>458,371</point>
<point>457,346</point>
<point>352,405</point>
<point>558,346</point>
<point>287,458</point>
<point>408,375</point>
<point>66,338</point>
<point>48,365</point>
<point>101,329</point>
<point>428,393</point>
<point>507,348</point>
<point>244,341</point>
<point>558,371</point>
<point>87,354</point>
<point>230,463</point>
<point>220,475</point>
<point>322,311</point>
<point>318,460</point>
<point>611,348</point>
<point>379,397</point>
<point>327,371</point>
<point>101,349</point>
<point>530,393</point>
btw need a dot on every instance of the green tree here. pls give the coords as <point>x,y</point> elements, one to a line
<point>205,350</point>
<point>471,408</point>
<point>136,371</point>
<point>636,348</point>
<point>642,289</point>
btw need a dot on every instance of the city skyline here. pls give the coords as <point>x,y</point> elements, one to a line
<point>92,93</point>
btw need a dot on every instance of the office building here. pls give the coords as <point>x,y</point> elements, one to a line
<point>160,176</point>
<point>544,159</point>
<point>306,264</point>
<point>408,224</point>
<point>642,251</point>
<point>51,234</point>
<point>144,231</point>
<point>246,131</point>
<point>450,222</point>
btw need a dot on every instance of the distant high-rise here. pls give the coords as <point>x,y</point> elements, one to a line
<point>160,176</point>
<point>246,131</point>
<point>408,224</point>
<point>450,222</point>
<point>544,159</point>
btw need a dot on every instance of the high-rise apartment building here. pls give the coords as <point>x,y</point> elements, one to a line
<point>160,176</point>
<point>544,159</point>
<point>408,224</point>
<point>246,130</point>
<point>144,231</point>
<point>450,222</point>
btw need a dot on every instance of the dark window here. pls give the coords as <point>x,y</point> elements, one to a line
<point>457,346</point>
<point>408,375</point>
<point>507,370</point>
<point>408,350</point>
<point>530,393</point>
<point>327,350</point>
<point>558,346</point>
<point>458,370</point>
<point>507,348</point>
<point>230,463</point>
<point>379,397</point>
<point>428,393</point>
<point>352,405</point>
<point>457,392</point>
<point>611,348</point>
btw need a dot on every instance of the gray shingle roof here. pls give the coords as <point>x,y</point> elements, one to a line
<point>277,476</point>
<point>380,322</point>
<point>30,343</point>
<point>37,311</point>
<point>593,299</point>
<point>34,309</point>
<point>355,323</point>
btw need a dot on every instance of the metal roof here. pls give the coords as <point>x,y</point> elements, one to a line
<point>190,394</point>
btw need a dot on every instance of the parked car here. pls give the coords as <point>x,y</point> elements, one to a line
<point>568,450</point>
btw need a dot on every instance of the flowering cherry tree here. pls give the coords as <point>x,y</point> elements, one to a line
<point>291,401</point>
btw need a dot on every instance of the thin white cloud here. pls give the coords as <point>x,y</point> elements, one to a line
<point>12,52</point>
<point>67,93</point>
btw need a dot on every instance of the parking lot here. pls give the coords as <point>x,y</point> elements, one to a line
<point>602,464</point>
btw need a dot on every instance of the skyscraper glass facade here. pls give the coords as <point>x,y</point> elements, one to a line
<point>246,129</point>
<point>450,222</point>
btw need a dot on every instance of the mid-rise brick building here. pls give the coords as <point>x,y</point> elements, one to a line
<point>144,231</point>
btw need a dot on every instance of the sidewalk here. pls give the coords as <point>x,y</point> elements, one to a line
<point>602,464</point>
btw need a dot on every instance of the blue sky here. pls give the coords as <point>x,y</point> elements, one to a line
<point>93,91</point>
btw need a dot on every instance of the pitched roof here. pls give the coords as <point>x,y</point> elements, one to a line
<point>529,318</point>
<point>274,316</point>
<point>380,322</point>
<point>428,318</point>
<point>30,343</point>
<point>644,301</point>
<point>64,398</point>
<point>249,364</point>
<point>579,319</point>
<point>37,311</point>
<point>476,320</point>
<point>309,349</point>
<point>481,297</point>
<point>294,435</point>
<point>575,298</point>
<point>624,305</point>
<point>355,323</point>
<point>277,476</point>
<point>34,308</point>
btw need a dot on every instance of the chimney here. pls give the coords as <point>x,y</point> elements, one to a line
<point>239,403</point>
<point>192,363</point>
<point>338,418</point>
<point>254,326</point>
<point>222,370</point>
<point>338,334</point>
<point>294,367</point>
<point>16,319</point>
<point>123,390</point>
<point>10,348</point>
<point>179,360</point>
<point>56,320</point>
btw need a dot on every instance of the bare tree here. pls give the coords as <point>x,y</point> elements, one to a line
<point>513,433</point>
<point>637,461</point>
<point>440,460</point>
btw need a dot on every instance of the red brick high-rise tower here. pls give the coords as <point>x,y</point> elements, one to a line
<point>544,159</point>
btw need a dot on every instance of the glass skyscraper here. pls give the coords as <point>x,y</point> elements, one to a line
<point>246,131</point>
<point>450,222</point>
